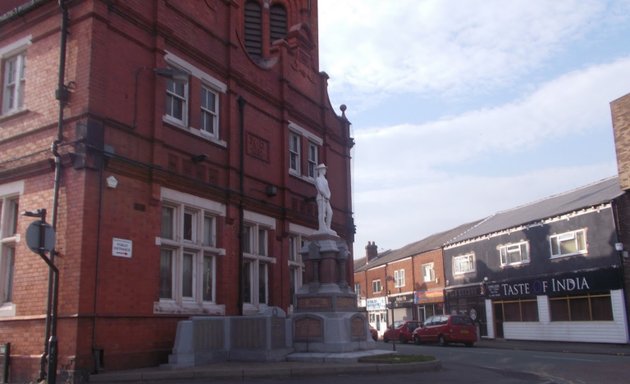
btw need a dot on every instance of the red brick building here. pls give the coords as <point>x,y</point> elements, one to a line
<point>620,110</point>
<point>156,134</point>
<point>406,283</point>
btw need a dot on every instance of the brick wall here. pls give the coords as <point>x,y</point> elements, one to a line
<point>620,109</point>
<point>117,103</point>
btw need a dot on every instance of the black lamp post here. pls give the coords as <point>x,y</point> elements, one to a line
<point>40,238</point>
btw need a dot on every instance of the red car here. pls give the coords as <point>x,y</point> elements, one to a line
<point>401,331</point>
<point>444,329</point>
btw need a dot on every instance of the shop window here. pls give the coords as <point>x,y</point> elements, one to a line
<point>520,310</point>
<point>590,307</point>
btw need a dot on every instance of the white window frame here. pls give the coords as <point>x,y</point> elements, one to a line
<point>200,245</point>
<point>556,240</point>
<point>297,240</point>
<point>399,278</point>
<point>15,91</point>
<point>313,159</point>
<point>208,82</point>
<point>295,154</point>
<point>9,239</point>
<point>428,272</point>
<point>300,135</point>
<point>508,252</point>
<point>209,112</point>
<point>173,97</point>
<point>377,286</point>
<point>463,264</point>
<point>257,255</point>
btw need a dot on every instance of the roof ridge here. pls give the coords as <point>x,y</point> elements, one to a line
<point>549,197</point>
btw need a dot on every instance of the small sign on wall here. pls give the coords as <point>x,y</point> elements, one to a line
<point>121,247</point>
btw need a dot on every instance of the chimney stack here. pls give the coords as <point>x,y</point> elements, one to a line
<point>371,251</point>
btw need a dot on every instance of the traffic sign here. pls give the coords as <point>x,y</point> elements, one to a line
<point>33,237</point>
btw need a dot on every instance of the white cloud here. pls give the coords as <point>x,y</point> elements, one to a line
<point>407,187</point>
<point>575,103</point>
<point>370,47</point>
<point>411,179</point>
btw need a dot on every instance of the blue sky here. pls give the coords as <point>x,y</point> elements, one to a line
<point>463,108</point>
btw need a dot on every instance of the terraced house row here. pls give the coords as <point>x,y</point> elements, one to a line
<point>556,269</point>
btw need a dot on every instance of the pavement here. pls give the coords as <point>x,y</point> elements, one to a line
<point>312,364</point>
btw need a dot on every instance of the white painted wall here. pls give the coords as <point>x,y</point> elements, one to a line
<point>615,331</point>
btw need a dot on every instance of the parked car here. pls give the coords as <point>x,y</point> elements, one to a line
<point>401,331</point>
<point>374,333</point>
<point>444,329</point>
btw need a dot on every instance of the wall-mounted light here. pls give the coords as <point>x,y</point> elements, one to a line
<point>199,158</point>
<point>271,190</point>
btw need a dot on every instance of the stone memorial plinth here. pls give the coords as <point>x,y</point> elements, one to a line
<point>326,317</point>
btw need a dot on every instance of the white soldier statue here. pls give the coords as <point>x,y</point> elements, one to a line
<point>324,210</point>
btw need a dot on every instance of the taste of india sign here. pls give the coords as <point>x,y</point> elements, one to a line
<point>565,284</point>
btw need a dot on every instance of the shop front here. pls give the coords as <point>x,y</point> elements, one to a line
<point>468,300</point>
<point>428,302</point>
<point>581,306</point>
<point>377,312</point>
<point>401,307</point>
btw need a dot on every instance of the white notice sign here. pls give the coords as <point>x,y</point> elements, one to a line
<point>121,247</point>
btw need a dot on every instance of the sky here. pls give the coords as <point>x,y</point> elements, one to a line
<point>464,108</point>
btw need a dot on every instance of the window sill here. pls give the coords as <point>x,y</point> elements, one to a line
<point>13,114</point>
<point>515,265</point>
<point>194,131</point>
<point>295,174</point>
<point>553,257</point>
<point>188,308</point>
<point>7,310</point>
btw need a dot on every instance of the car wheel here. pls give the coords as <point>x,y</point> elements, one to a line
<point>442,341</point>
<point>402,339</point>
<point>416,340</point>
<point>385,339</point>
